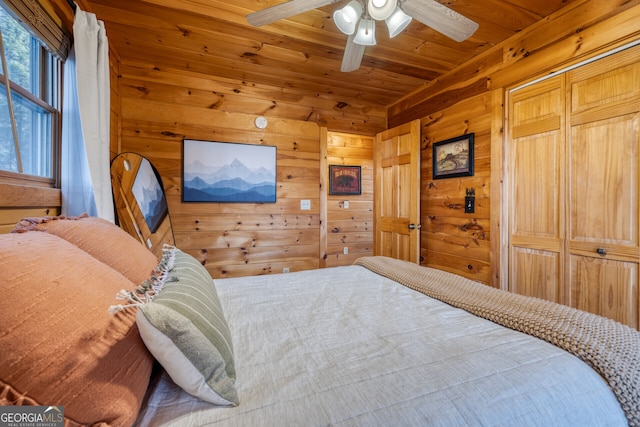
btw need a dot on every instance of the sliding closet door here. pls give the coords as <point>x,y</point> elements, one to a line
<point>604,102</point>
<point>574,189</point>
<point>536,256</point>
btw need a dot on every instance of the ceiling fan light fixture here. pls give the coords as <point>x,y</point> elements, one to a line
<point>381,9</point>
<point>397,22</point>
<point>346,19</point>
<point>366,34</point>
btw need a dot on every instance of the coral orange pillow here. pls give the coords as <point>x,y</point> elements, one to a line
<point>103,240</point>
<point>58,343</point>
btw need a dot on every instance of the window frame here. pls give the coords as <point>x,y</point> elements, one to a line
<point>50,69</point>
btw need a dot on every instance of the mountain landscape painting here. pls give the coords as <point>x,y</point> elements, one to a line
<point>228,172</point>
<point>149,195</point>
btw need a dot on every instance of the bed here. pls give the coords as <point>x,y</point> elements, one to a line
<point>381,342</point>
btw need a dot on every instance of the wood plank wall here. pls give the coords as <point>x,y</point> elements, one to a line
<point>242,240</point>
<point>230,239</point>
<point>451,239</point>
<point>470,99</point>
<point>23,199</point>
<point>247,239</point>
<point>350,225</point>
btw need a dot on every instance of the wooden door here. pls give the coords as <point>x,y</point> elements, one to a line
<point>536,256</point>
<point>603,248</point>
<point>574,171</point>
<point>397,192</point>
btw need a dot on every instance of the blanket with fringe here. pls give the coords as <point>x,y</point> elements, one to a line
<point>610,348</point>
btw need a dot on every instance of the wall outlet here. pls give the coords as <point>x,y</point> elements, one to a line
<point>305,205</point>
<point>346,250</point>
<point>285,270</point>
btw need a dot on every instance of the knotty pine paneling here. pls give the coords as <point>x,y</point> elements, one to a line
<point>470,98</point>
<point>231,95</point>
<point>350,227</point>
<point>160,109</point>
<point>451,239</point>
<point>20,199</point>
<point>300,56</point>
<point>9,217</point>
<point>576,32</point>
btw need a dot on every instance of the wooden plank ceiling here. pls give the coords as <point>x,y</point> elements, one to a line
<point>302,55</point>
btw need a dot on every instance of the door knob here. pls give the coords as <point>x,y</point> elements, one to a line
<point>601,251</point>
<point>413,226</point>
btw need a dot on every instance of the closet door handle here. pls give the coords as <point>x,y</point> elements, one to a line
<point>413,226</point>
<point>601,251</point>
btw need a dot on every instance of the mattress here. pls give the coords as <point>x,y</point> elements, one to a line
<point>345,346</point>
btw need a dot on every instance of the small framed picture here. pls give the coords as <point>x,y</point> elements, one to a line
<point>345,179</point>
<point>453,157</point>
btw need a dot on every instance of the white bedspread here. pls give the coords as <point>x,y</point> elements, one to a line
<point>345,346</point>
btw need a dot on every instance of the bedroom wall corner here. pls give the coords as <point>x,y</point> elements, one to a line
<point>234,239</point>
<point>349,222</point>
<point>466,100</point>
<point>498,245</point>
<point>451,239</point>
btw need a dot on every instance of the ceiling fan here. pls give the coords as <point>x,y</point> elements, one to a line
<point>358,18</point>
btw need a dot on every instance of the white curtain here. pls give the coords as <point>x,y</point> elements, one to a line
<point>86,180</point>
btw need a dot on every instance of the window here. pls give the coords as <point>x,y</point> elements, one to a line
<point>30,117</point>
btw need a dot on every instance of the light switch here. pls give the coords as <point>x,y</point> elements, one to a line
<point>470,201</point>
<point>469,204</point>
<point>305,205</point>
<point>346,204</point>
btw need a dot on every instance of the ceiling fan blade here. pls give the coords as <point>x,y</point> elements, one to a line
<point>353,54</point>
<point>285,10</point>
<point>440,18</point>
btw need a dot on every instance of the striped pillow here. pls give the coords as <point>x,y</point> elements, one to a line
<point>185,330</point>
